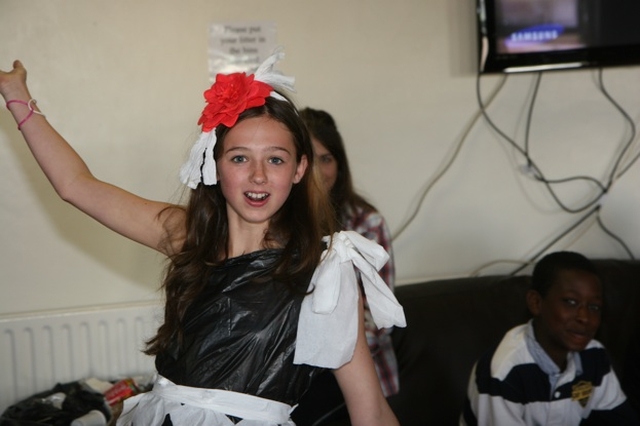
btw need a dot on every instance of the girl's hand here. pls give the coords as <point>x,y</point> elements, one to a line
<point>13,83</point>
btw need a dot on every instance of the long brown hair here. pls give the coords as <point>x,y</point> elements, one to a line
<point>298,227</point>
<point>323,127</point>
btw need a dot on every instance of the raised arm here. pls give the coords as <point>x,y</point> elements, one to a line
<point>361,388</point>
<point>134,217</point>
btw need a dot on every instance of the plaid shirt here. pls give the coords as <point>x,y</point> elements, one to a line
<point>373,226</point>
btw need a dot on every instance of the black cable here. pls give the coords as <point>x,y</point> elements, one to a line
<point>529,120</point>
<point>449,162</point>
<point>628,166</point>
<point>537,172</point>
<point>555,240</point>
<point>615,237</point>
<point>627,117</point>
<point>529,115</point>
<point>540,177</point>
<point>615,174</point>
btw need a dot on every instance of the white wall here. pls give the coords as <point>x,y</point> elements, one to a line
<point>123,82</point>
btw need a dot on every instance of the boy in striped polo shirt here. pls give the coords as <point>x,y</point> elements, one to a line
<point>551,370</point>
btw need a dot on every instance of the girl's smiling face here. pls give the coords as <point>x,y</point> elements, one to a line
<point>567,318</point>
<point>256,170</point>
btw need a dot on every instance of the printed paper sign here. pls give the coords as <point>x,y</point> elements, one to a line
<point>239,46</point>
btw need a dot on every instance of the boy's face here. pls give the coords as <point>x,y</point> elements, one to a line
<point>567,318</point>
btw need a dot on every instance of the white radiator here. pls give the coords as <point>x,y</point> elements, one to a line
<point>41,349</point>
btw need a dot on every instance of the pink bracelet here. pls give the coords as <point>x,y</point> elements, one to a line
<point>28,104</point>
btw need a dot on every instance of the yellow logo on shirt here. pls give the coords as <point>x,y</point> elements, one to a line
<point>581,392</point>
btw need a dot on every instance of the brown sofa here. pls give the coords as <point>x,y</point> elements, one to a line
<point>450,323</point>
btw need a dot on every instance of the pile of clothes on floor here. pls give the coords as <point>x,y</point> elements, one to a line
<point>83,402</point>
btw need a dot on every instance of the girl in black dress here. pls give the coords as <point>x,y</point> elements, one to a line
<point>251,289</point>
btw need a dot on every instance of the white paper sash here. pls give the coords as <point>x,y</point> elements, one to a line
<point>328,325</point>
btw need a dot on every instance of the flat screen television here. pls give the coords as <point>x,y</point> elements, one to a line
<point>540,35</point>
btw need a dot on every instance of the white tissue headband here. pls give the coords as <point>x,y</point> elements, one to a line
<point>229,96</point>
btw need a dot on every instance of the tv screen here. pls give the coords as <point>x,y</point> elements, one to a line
<point>539,35</point>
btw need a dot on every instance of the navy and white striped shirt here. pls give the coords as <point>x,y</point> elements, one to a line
<point>516,383</point>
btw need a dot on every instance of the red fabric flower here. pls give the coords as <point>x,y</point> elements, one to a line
<point>229,96</point>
